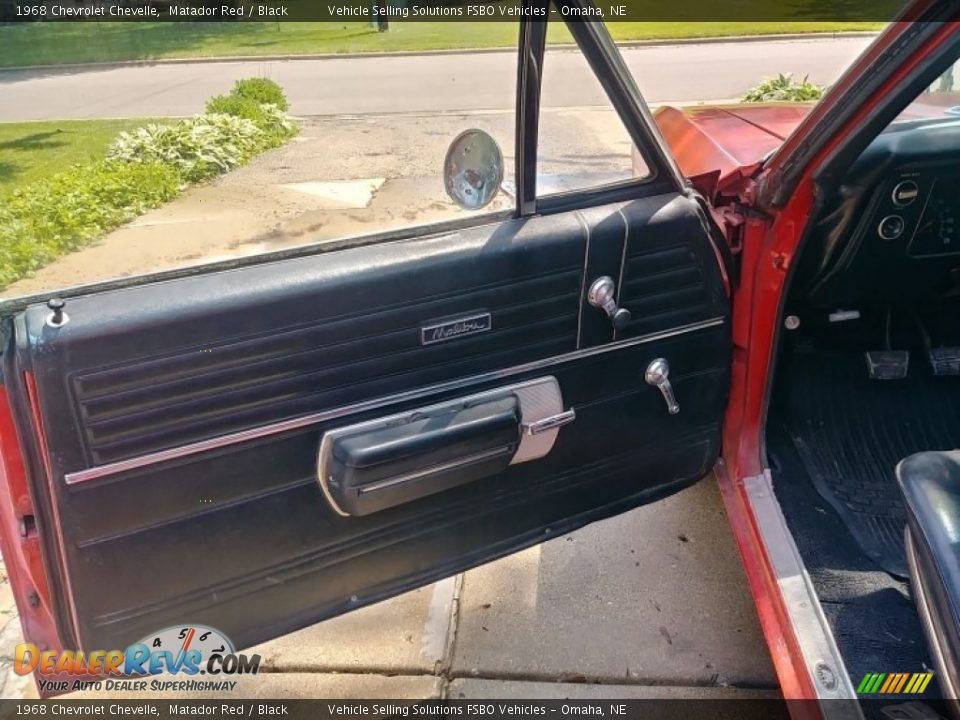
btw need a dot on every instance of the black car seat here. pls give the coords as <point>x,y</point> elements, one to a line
<point>930,482</point>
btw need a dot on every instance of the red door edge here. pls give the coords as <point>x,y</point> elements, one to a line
<point>788,662</point>
<point>768,247</point>
<point>20,541</point>
<point>769,244</point>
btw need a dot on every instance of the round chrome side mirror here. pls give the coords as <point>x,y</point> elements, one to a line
<point>473,169</point>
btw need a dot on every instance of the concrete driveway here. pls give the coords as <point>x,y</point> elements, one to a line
<point>649,604</point>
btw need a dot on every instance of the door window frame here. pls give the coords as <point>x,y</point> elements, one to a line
<point>594,41</point>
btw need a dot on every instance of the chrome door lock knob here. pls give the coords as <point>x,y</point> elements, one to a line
<point>603,294</point>
<point>658,375</point>
<point>57,316</point>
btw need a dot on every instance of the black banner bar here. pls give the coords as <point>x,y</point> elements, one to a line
<point>372,11</point>
<point>611,709</point>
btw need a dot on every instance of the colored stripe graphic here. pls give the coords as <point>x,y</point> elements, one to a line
<point>914,681</point>
<point>875,683</point>
<point>892,680</point>
<point>894,683</point>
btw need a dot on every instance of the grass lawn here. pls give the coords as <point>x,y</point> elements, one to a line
<point>82,42</point>
<point>33,150</point>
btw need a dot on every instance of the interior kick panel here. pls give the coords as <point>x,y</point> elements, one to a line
<point>183,418</point>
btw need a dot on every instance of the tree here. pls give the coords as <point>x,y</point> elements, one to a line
<point>382,23</point>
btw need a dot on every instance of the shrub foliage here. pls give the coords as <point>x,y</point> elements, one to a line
<point>784,88</point>
<point>42,221</point>
<point>197,148</point>
<point>261,90</point>
<point>143,169</point>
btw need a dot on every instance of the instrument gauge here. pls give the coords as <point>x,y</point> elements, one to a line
<point>937,232</point>
<point>891,227</point>
<point>940,222</point>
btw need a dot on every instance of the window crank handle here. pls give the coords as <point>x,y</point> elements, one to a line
<point>658,375</point>
<point>602,295</point>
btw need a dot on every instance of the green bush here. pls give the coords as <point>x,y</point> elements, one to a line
<point>784,88</point>
<point>269,118</point>
<point>261,90</point>
<point>237,106</point>
<point>45,219</point>
<point>197,148</point>
<point>144,168</point>
<point>276,125</point>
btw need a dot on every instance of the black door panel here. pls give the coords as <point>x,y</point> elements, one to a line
<point>183,419</point>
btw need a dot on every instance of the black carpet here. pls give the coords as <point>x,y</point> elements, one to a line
<point>850,433</point>
<point>833,439</point>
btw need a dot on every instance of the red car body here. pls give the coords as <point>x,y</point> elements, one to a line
<point>721,150</point>
<point>736,156</point>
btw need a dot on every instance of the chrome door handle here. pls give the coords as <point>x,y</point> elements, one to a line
<point>549,423</point>
<point>658,375</point>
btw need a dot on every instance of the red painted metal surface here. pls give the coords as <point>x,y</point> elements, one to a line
<point>794,679</point>
<point>20,542</point>
<point>769,245</point>
<point>726,141</point>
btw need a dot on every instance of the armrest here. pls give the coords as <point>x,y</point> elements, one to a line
<point>398,461</point>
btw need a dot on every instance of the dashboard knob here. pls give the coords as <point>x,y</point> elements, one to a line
<point>905,193</point>
<point>891,227</point>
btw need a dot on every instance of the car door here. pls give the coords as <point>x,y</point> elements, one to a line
<point>258,445</point>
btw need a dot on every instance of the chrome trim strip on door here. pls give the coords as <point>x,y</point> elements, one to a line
<point>583,283</point>
<point>821,655</point>
<point>160,456</point>
<point>623,253</point>
<point>623,261</point>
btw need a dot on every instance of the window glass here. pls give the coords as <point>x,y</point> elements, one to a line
<point>210,169</point>
<point>582,141</point>
<point>940,100</point>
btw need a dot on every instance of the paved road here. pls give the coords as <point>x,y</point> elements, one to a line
<point>419,83</point>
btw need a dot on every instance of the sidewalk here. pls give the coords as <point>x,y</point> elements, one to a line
<point>650,604</point>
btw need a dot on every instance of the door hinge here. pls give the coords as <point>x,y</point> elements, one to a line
<point>732,221</point>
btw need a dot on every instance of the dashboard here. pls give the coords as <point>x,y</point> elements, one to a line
<point>936,230</point>
<point>922,207</point>
<point>890,232</point>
